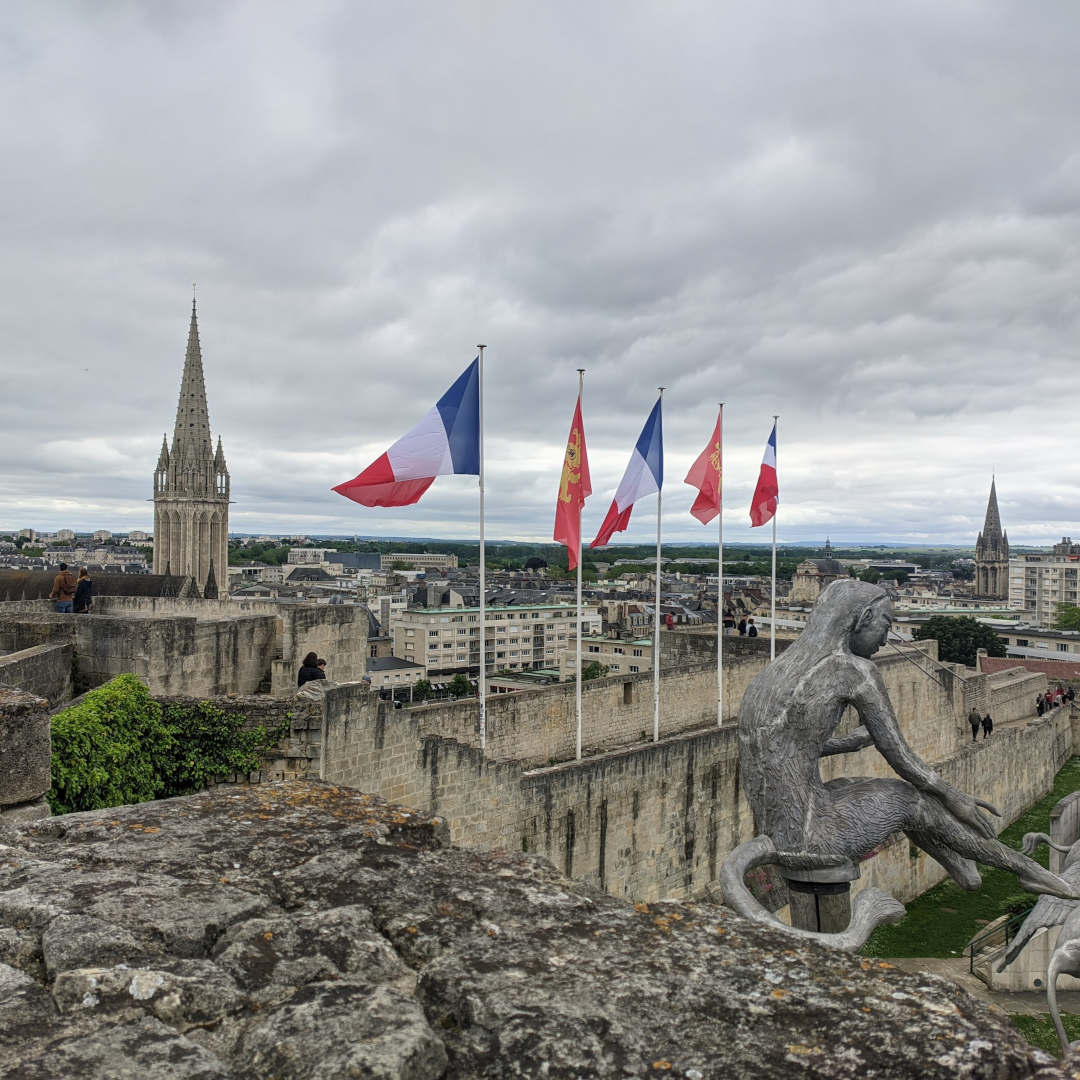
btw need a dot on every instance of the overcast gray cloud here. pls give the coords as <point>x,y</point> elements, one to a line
<point>863,217</point>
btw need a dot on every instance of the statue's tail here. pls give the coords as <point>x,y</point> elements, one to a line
<point>869,909</point>
<point>1034,840</point>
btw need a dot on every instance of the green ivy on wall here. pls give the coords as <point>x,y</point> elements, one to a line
<point>119,746</point>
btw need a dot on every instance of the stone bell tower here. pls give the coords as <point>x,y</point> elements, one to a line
<point>992,553</point>
<point>191,487</point>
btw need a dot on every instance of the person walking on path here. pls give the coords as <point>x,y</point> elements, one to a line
<point>751,629</point>
<point>987,726</point>
<point>974,720</point>
<point>63,589</point>
<point>84,592</point>
<point>310,670</point>
<point>742,627</point>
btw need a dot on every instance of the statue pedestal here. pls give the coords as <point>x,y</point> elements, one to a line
<point>821,899</point>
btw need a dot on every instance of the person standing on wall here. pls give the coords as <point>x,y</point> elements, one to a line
<point>63,589</point>
<point>310,670</point>
<point>987,726</point>
<point>84,592</point>
<point>751,629</point>
<point>974,720</point>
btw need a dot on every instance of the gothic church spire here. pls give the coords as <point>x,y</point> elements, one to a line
<point>191,436</point>
<point>991,530</point>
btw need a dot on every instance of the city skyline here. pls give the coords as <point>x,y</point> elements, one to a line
<point>865,219</point>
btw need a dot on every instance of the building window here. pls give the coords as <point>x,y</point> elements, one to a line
<point>638,652</point>
<point>1063,646</point>
<point>634,668</point>
<point>594,648</point>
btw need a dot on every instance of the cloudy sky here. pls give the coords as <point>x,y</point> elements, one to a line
<point>863,217</point>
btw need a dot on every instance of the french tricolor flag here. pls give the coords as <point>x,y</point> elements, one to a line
<point>644,475</point>
<point>767,493</point>
<point>445,442</point>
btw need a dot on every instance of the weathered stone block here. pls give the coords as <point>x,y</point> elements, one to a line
<point>25,747</point>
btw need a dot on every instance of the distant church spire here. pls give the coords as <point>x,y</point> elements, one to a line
<point>991,529</point>
<point>191,436</point>
<point>992,553</point>
<point>191,484</point>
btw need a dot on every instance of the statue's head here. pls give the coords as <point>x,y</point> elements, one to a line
<point>853,612</point>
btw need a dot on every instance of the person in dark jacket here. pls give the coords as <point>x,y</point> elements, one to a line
<point>974,720</point>
<point>63,589</point>
<point>988,726</point>
<point>742,627</point>
<point>310,670</point>
<point>751,629</point>
<point>84,592</point>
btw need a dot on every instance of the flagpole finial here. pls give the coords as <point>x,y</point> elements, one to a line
<point>581,371</point>
<point>481,346</point>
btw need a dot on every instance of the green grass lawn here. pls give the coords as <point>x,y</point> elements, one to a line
<point>944,919</point>
<point>1039,1031</point>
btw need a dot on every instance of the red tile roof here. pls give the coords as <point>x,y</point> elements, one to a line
<point>1054,669</point>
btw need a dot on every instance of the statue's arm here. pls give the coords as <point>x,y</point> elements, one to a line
<point>871,700</point>
<point>859,739</point>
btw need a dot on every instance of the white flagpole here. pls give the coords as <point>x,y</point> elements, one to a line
<point>720,581</point>
<point>483,581</point>
<point>656,621</point>
<point>772,600</point>
<point>580,386</point>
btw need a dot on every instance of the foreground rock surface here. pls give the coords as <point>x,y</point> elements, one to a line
<point>302,930</point>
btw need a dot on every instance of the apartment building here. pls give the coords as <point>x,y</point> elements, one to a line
<point>418,560</point>
<point>1038,583</point>
<point>517,638</point>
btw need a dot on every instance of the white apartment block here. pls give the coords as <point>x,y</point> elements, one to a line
<point>1038,583</point>
<point>518,638</point>
<point>421,560</point>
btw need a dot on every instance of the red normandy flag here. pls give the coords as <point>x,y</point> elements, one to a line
<point>574,488</point>
<point>705,475</point>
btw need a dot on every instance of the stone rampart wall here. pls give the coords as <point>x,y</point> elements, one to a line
<point>698,646</point>
<point>44,670</point>
<point>1064,826</point>
<point>537,727</point>
<point>336,632</point>
<point>25,756</point>
<point>25,631</point>
<point>1012,694</point>
<point>386,751</point>
<point>176,655</point>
